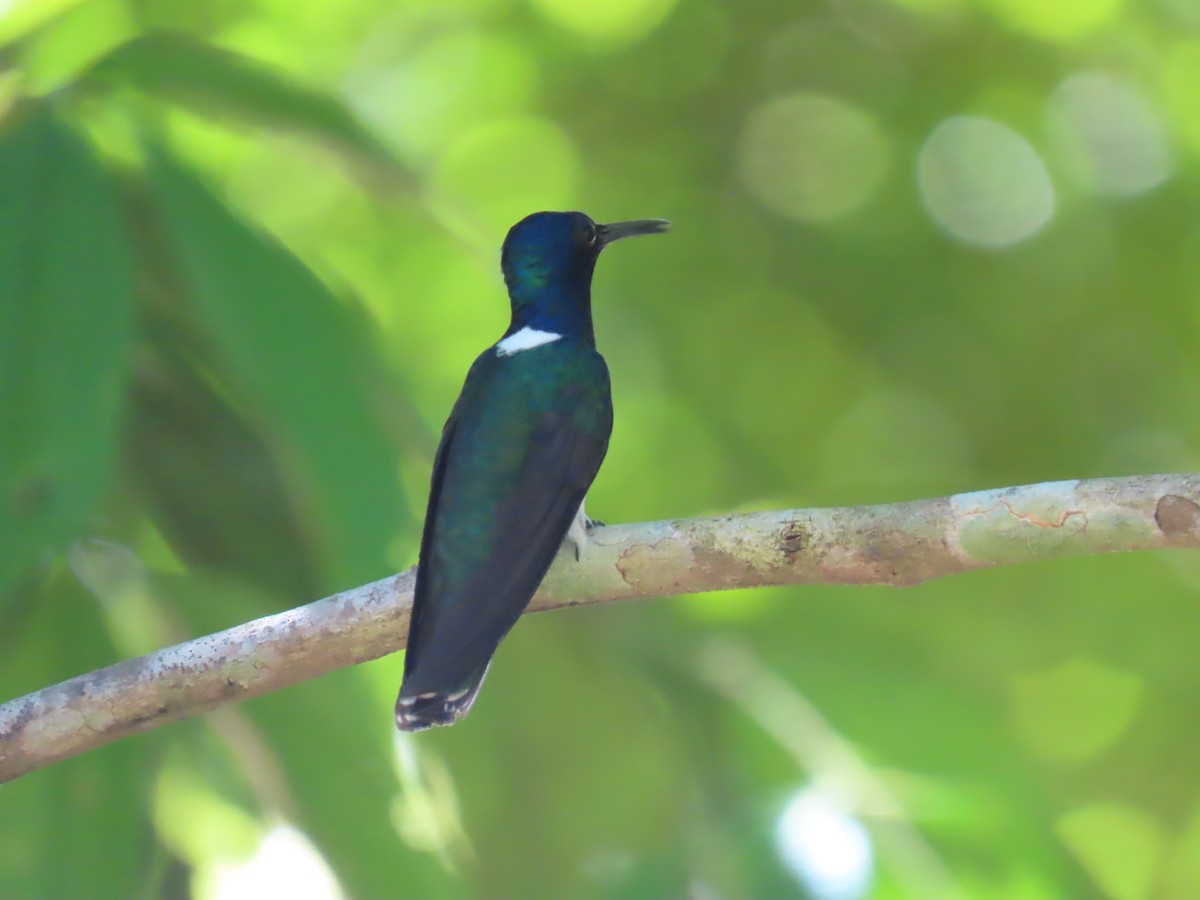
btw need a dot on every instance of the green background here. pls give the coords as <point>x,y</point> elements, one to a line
<point>247,253</point>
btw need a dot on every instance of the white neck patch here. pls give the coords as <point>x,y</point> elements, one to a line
<point>525,339</point>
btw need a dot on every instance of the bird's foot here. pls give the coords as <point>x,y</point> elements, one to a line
<point>580,530</point>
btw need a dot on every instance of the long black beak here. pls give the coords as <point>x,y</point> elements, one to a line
<point>614,231</point>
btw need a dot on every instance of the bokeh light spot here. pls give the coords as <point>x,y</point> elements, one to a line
<point>827,850</point>
<point>1185,13</point>
<point>1074,711</point>
<point>984,183</point>
<point>611,21</point>
<point>812,157</point>
<point>1113,139</point>
<point>1118,846</point>
<point>449,83</point>
<point>286,864</point>
<point>498,173</point>
<point>1060,20</point>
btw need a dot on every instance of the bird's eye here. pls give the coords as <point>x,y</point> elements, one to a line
<point>591,236</point>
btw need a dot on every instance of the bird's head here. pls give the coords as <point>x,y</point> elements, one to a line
<point>548,257</point>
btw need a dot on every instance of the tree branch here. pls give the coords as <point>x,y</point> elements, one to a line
<point>899,544</point>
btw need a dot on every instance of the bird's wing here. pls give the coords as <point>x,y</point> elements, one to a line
<point>416,623</point>
<point>531,524</point>
<point>460,615</point>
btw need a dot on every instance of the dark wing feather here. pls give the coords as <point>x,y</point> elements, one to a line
<point>531,525</point>
<point>415,623</point>
<point>458,622</point>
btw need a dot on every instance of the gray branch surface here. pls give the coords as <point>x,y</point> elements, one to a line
<point>899,544</point>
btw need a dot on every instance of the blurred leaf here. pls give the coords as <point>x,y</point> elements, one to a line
<point>305,358</point>
<point>65,326</point>
<point>212,80</point>
<point>78,828</point>
<point>70,42</point>
<point>212,482</point>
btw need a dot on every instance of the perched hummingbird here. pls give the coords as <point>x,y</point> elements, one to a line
<point>517,456</point>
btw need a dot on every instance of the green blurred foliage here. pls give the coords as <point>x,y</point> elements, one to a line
<point>247,252</point>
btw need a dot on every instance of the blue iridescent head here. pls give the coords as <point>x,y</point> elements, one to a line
<point>548,259</point>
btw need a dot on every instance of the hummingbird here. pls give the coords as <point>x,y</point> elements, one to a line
<point>517,455</point>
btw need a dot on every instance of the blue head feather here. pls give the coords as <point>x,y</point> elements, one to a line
<point>548,260</point>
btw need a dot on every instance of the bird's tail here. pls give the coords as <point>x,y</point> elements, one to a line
<point>417,710</point>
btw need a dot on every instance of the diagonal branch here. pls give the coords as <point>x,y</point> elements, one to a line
<point>899,544</point>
